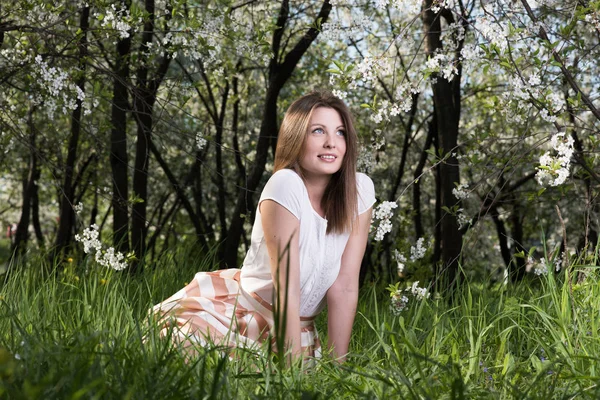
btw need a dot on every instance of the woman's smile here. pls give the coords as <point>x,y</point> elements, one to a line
<point>328,157</point>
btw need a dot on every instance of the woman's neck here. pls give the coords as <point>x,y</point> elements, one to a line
<point>316,190</point>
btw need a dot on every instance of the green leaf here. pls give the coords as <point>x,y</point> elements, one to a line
<point>536,363</point>
<point>508,364</point>
<point>520,254</point>
<point>135,199</point>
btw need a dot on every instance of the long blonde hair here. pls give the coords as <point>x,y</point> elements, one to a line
<point>340,198</point>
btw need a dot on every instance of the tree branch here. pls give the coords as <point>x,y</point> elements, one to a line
<point>542,33</point>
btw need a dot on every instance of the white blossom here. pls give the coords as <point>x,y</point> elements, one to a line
<point>366,161</point>
<point>419,292</point>
<point>554,170</point>
<point>106,257</point>
<point>384,212</point>
<point>442,63</point>
<point>200,141</point>
<point>541,268</point>
<point>400,260</point>
<point>593,21</point>
<point>116,18</point>
<point>400,298</point>
<point>471,52</point>
<point>399,303</point>
<point>57,85</point>
<point>556,102</point>
<point>418,251</point>
<point>370,68</point>
<point>558,263</point>
<point>89,239</point>
<point>534,79</point>
<point>495,33</point>
<point>340,94</point>
<point>334,30</point>
<point>462,218</point>
<point>78,208</point>
<point>460,193</point>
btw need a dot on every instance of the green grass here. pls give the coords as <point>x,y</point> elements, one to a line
<point>79,335</point>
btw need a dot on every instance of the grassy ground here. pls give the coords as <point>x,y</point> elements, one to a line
<point>79,335</point>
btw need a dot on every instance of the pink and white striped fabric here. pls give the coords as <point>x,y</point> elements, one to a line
<point>214,308</point>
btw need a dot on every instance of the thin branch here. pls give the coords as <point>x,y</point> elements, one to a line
<point>542,33</point>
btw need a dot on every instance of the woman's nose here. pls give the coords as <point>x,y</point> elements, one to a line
<point>329,142</point>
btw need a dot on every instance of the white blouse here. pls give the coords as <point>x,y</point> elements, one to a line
<point>320,254</point>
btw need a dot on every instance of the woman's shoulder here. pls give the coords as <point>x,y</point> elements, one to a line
<point>286,188</point>
<point>364,182</point>
<point>366,192</point>
<point>286,173</point>
<point>286,178</point>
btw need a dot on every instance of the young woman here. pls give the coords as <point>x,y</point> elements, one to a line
<point>308,241</point>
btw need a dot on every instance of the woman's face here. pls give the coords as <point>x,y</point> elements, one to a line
<point>325,144</point>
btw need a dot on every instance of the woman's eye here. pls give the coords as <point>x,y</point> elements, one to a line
<point>341,133</point>
<point>318,130</point>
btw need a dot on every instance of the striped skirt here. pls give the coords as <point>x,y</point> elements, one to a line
<point>214,309</point>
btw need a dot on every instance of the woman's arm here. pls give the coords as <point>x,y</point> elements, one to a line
<point>342,296</point>
<point>281,229</point>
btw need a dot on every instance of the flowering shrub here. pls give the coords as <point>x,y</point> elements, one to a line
<point>106,257</point>
<point>56,86</point>
<point>417,251</point>
<point>401,297</point>
<point>383,214</point>
<point>543,266</point>
<point>554,170</point>
<point>118,19</point>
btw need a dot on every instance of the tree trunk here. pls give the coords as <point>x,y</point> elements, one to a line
<point>195,180</point>
<point>279,73</point>
<point>502,236</point>
<point>517,268</point>
<point>405,147</point>
<point>22,234</point>
<point>437,244</point>
<point>446,98</point>
<point>431,132</point>
<point>35,209</point>
<point>139,229</point>
<point>144,100</point>
<point>234,129</point>
<point>118,144</point>
<point>67,215</point>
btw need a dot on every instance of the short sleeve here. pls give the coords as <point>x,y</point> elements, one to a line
<point>366,192</point>
<point>286,188</point>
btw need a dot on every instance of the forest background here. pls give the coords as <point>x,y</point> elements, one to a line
<point>155,122</point>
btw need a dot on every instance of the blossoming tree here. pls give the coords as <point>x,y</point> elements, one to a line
<point>479,119</point>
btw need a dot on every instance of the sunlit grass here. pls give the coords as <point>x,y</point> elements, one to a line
<point>79,334</point>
